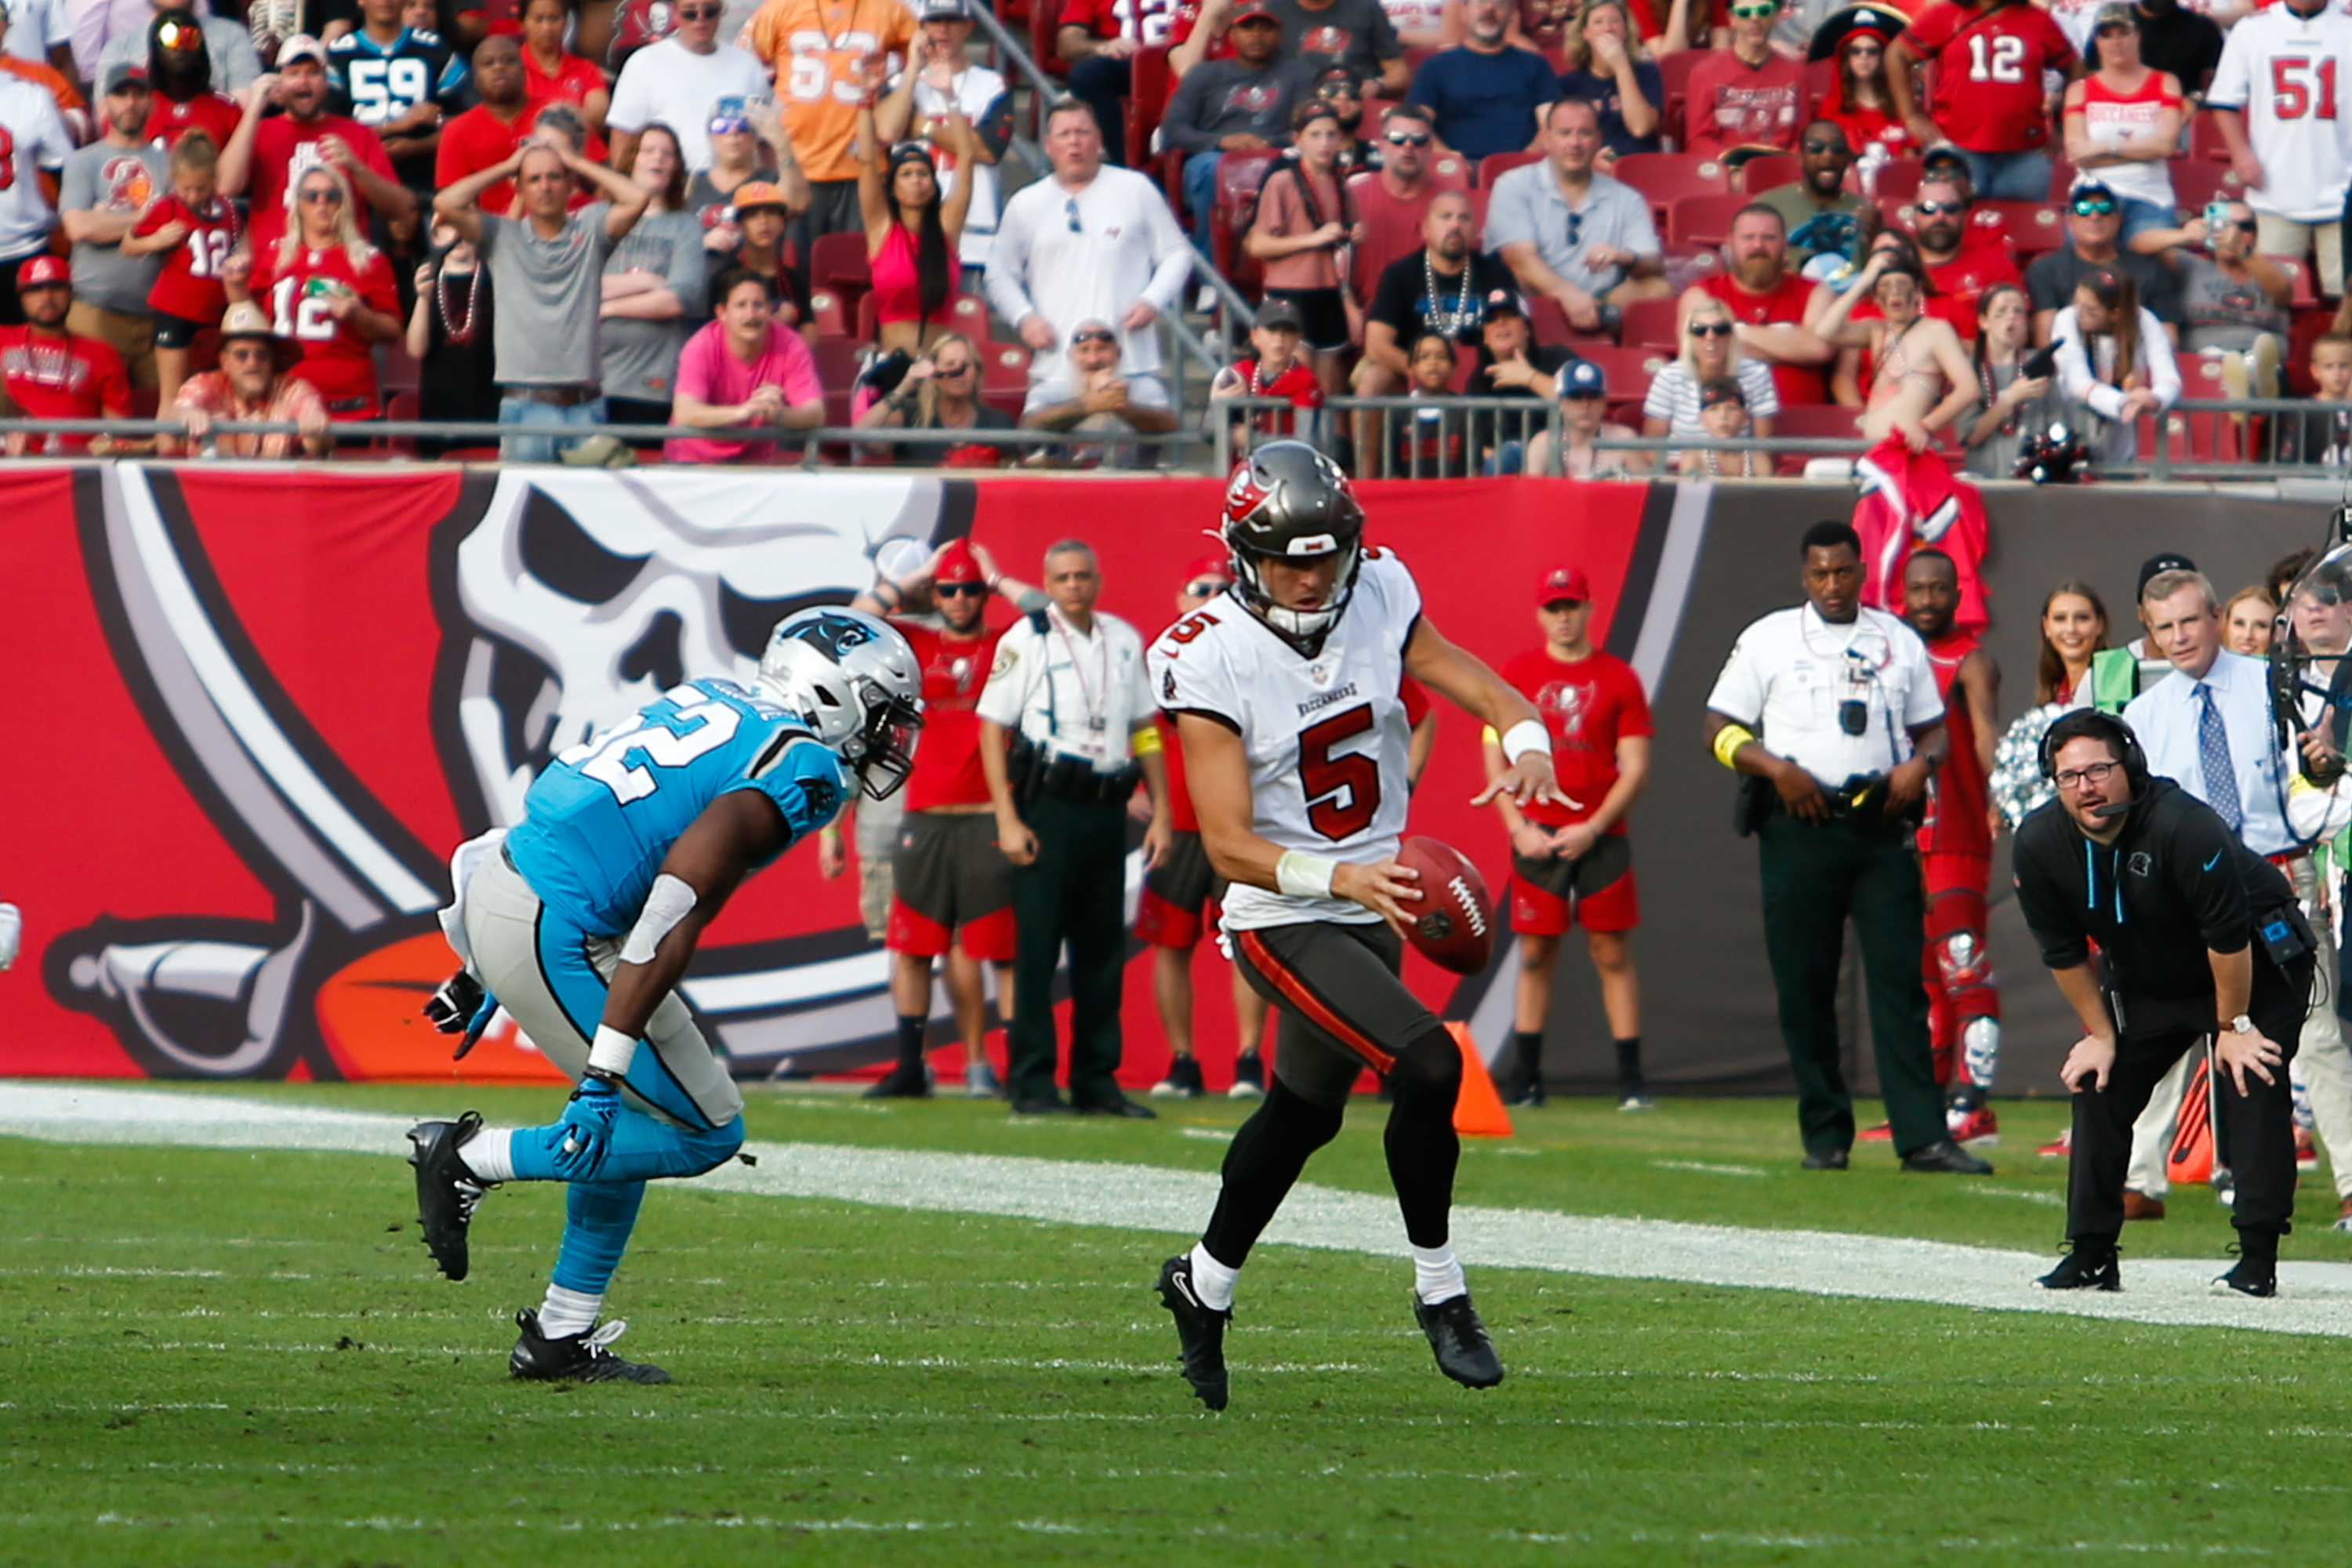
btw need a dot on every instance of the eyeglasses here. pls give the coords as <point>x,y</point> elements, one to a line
<point>1070,210</point>
<point>1338,89</point>
<point>1093,335</point>
<point>2089,773</point>
<point>2095,206</point>
<point>1822,149</point>
<point>959,590</point>
<point>1408,138</point>
<point>1711,329</point>
<point>954,369</point>
<point>1204,588</point>
<point>1939,209</point>
<point>326,196</point>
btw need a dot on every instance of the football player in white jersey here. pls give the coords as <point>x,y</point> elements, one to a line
<point>2276,102</point>
<point>1284,693</point>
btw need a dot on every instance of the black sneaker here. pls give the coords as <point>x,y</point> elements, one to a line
<point>2255,1277</point>
<point>907,1081</point>
<point>574,1358</point>
<point>446,1190</point>
<point>2085,1269</point>
<point>1249,1077</point>
<point>1944,1157</point>
<point>1182,1082</point>
<point>1464,1352</point>
<point>1521,1086</point>
<point>1200,1331</point>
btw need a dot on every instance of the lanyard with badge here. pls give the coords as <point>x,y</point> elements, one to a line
<point>1094,742</point>
<point>1858,676</point>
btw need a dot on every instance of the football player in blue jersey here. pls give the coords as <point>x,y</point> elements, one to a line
<point>582,921</point>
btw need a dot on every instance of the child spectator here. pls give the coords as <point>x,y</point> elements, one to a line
<point>197,229</point>
<point>449,336</point>
<point>1304,221</point>
<point>1723,416</point>
<point>1277,371</point>
<point>2114,363</point>
<point>1583,392</point>
<point>2325,434</point>
<point>1431,440</point>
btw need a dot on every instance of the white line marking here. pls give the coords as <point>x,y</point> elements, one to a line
<point>2313,1295</point>
<point>1705,1169</point>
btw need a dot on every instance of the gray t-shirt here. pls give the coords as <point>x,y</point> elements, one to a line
<point>100,178</point>
<point>2221,311</point>
<point>1354,33</point>
<point>548,293</point>
<point>641,357</point>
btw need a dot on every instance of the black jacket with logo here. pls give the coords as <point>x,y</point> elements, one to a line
<point>2175,886</point>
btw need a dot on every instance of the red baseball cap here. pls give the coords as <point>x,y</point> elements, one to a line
<point>1563,583</point>
<point>1217,566</point>
<point>958,564</point>
<point>43,270</point>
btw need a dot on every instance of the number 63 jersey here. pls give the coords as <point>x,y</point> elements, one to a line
<point>1326,737</point>
<point>598,822</point>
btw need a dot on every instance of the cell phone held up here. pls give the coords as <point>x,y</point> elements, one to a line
<point>2216,218</point>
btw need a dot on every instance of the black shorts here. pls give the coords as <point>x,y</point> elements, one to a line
<point>950,883</point>
<point>1322,313</point>
<point>1343,1007</point>
<point>1176,893</point>
<point>177,331</point>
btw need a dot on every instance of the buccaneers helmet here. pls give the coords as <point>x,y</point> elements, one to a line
<point>1289,501</point>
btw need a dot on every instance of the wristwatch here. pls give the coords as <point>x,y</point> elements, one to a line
<point>2244,1024</point>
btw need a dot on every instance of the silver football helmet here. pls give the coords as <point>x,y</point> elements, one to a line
<point>1288,500</point>
<point>855,681</point>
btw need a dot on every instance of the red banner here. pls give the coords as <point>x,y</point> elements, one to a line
<point>292,692</point>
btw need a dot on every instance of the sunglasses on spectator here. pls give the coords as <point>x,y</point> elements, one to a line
<point>1818,149</point>
<point>2095,206</point>
<point>699,13</point>
<point>954,369</point>
<point>1408,138</point>
<point>1096,335</point>
<point>1752,13</point>
<point>729,124</point>
<point>1939,209</point>
<point>325,196</point>
<point>959,590</point>
<point>1205,587</point>
<point>1338,89</point>
<point>180,35</point>
<point>1711,329</point>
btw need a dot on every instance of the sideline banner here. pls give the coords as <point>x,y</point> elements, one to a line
<point>288,693</point>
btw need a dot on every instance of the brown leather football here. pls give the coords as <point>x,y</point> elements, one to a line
<point>1453,922</point>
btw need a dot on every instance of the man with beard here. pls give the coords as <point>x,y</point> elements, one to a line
<point>1488,97</point>
<point>107,185</point>
<point>1767,302</point>
<point>1237,105</point>
<point>1817,210</point>
<point>1443,287</point>
<point>265,159</point>
<point>1963,259</point>
<point>1391,204</point>
<point>253,383</point>
<point>49,374</point>
<point>179,69</point>
<point>228,47</point>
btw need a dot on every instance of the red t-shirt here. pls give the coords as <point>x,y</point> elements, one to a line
<point>284,149</point>
<point>1966,277</point>
<point>574,80</point>
<point>1145,21</point>
<point>1181,814</point>
<point>189,284</point>
<point>210,112</point>
<point>1785,304</point>
<point>1391,229</point>
<point>1733,104</point>
<point>479,140</point>
<point>63,377</point>
<point>1957,822</point>
<point>335,359</point>
<point>1297,384</point>
<point>1589,707</point>
<point>1988,67</point>
<point>947,764</point>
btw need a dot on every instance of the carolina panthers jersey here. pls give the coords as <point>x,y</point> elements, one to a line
<point>598,822</point>
<point>1326,737</point>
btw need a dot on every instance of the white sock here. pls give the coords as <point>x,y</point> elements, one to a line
<point>490,1154</point>
<point>568,1312</point>
<point>1437,1274</point>
<point>1212,1280</point>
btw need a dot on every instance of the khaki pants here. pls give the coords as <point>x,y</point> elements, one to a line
<point>133,337</point>
<point>2284,237</point>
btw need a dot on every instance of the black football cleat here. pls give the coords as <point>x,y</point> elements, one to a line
<point>574,1358</point>
<point>1827,1159</point>
<point>2085,1269</point>
<point>1199,1331</point>
<point>1464,1352</point>
<point>446,1192</point>
<point>907,1081</point>
<point>2254,1277</point>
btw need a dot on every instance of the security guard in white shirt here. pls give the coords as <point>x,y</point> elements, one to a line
<point>1066,733</point>
<point>1832,712</point>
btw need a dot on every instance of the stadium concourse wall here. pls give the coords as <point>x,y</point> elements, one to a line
<point>260,706</point>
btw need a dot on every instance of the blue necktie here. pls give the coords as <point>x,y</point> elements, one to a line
<point>2214,752</point>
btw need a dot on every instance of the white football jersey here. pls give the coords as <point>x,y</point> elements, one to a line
<point>1326,737</point>
<point>32,139</point>
<point>2288,74</point>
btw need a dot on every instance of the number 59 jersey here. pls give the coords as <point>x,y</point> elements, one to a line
<point>1326,737</point>
<point>599,821</point>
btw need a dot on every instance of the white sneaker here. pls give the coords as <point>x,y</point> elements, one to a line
<point>980,1081</point>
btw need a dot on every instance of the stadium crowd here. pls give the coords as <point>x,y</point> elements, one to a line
<point>1951,227</point>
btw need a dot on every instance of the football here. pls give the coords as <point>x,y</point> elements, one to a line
<point>1454,924</point>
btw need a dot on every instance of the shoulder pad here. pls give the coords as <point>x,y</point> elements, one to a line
<point>1038,623</point>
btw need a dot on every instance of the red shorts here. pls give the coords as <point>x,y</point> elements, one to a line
<point>1595,891</point>
<point>950,882</point>
<point>1177,893</point>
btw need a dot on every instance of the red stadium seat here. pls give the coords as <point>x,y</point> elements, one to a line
<point>1649,324</point>
<point>1005,377</point>
<point>1820,77</point>
<point>1628,370</point>
<point>827,314</point>
<point>1450,172</point>
<point>2195,183</point>
<point>2062,178</point>
<point>1495,164</point>
<point>1769,171</point>
<point>1147,99</point>
<point>1674,81</point>
<point>2205,142</point>
<point>2212,437</point>
<point>2303,327</point>
<point>2033,226</point>
<point>2298,271</point>
<point>1897,179</point>
<point>1045,21</point>
<point>837,261</point>
<point>1703,220</point>
<point>968,315</point>
<point>1817,421</point>
<point>1239,174</point>
<point>1666,177</point>
<point>836,363</point>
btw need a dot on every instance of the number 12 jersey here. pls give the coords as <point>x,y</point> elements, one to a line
<point>1326,737</point>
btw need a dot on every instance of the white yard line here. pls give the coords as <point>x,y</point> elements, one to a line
<point>2315,1298</point>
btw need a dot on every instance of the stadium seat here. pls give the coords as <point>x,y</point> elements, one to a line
<point>1550,324</point>
<point>2205,142</point>
<point>2176,438</point>
<point>1703,220</point>
<point>827,315</point>
<point>2033,226</point>
<point>2062,178</point>
<point>1769,171</point>
<point>968,315</point>
<point>1495,164</point>
<point>1005,377</point>
<point>401,405</point>
<point>1450,172</point>
<point>2196,181</point>
<point>837,361</point>
<point>1816,420</point>
<point>1820,77</point>
<point>2298,271</point>
<point>1665,178</point>
<point>1649,324</point>
<point>1897,180</point>
<point>1147,100</point>
<point>2212,437</point>
<point>1674,81</point>
<point>1045,21</point>
<point>1239,174</point>
<point>837,261</point>
<point>1628,370</point>
<point>2305,324</point>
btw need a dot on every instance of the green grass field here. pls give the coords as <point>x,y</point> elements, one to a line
<point>244,1357</point>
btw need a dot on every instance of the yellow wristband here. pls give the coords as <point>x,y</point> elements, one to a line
<point>1146,741</point>
<point>1727,741</point>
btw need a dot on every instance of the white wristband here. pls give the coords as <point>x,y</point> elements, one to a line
<point>1527,735</point>
<point>1302,876</point>
<point>612,1051</point>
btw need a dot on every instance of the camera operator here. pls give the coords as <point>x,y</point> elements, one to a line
<point>1832,692</point>
<point>2199,937</point>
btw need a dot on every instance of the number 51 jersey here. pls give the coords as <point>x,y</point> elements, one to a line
<point>598,822</point>
<point>1326,737</point>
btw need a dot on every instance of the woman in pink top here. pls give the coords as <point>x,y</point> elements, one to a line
<point>2123,121</point>
<point>911,232</point>
<point>1304,225</point>
<point>743,370</point>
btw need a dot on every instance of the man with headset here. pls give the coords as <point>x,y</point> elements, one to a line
<point>2198,938</point>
